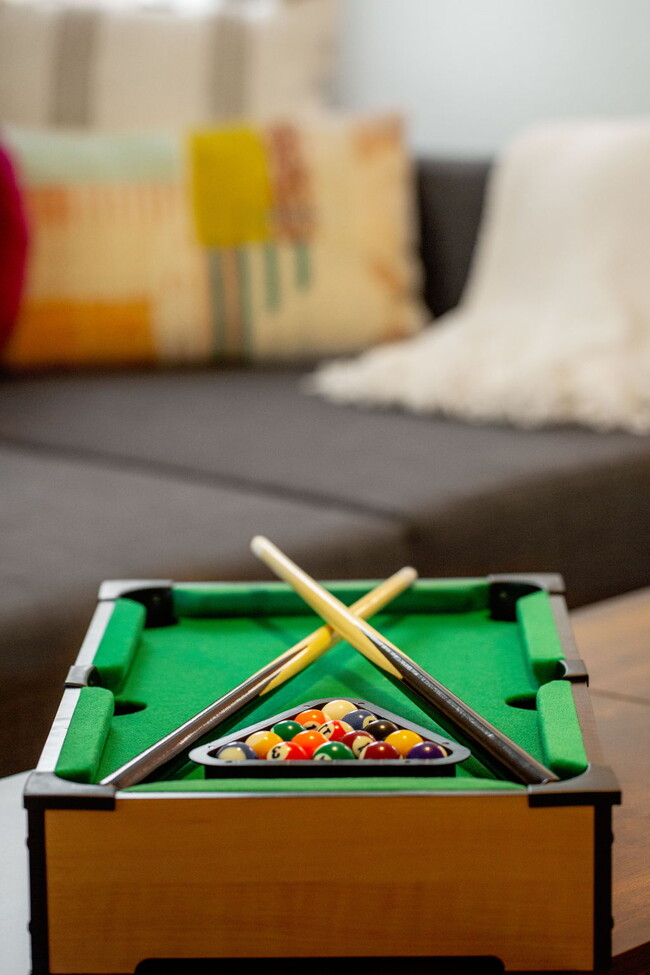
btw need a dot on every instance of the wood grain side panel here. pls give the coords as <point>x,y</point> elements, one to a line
<point>273,877</point>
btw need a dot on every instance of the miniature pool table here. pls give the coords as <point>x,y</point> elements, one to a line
<point>188,865</point>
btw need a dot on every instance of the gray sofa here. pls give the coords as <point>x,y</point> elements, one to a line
<point>168,474</point>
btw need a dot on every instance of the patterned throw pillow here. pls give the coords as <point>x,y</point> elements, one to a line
<point>13,248</point>
<point>117,66</point>
<point>280,241</point>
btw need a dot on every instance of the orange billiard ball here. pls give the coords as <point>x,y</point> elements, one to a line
<point>311,719</point>
<point>309,740</point>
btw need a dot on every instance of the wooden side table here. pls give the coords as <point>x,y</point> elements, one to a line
<point>613,639</point>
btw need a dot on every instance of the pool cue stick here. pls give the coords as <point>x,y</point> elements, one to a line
<point>496,749</point>
<point>278,671</point>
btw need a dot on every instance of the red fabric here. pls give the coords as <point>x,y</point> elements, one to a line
<point>13,248</point>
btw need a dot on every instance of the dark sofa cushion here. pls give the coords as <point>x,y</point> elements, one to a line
<point>450,195</point>
<point>468,499</point>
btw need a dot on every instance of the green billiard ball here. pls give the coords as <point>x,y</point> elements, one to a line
<point>287,729</point>
<point>333,751</point>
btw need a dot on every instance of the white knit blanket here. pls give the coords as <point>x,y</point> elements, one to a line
<point>554,325</point>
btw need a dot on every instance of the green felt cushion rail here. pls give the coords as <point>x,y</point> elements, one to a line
<point>119,643</point>
<point>540,635</point>
<point>89,728</point>
<point>560,730</point>
<point>163,676</point>
<point>278,599</point>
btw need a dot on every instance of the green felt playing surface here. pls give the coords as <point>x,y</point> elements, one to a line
<point>163,676</point>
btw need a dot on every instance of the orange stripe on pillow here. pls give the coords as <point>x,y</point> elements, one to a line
<point>63,332</point>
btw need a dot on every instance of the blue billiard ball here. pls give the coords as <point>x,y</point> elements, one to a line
<point>360,718</point>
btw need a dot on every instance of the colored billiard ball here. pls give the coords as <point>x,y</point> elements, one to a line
<point>309,740</point>
<point>427,749</point>
<point>236,751</point>
<point>380,728</point>
<point>261,741</point>
<point>403,740</point>
<point>360,718</point>
<point>379,750</point>
<point>286,751</point>
<point>334,730</point>
<point>335,710</point>
<point>313,718</point>
<point>333,751</point>
<point>357,740</point>
<point>287,729</point>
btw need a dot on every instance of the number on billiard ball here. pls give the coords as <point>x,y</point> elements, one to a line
<point>286,751</point>
<point>333,751</point>
<point>334,730</point>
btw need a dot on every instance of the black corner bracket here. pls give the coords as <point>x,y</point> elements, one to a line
<point>154,594</point>
<point>45,790</point>
<point>505,590</point>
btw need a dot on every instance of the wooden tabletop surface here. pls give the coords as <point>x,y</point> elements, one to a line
<point>613,638</point>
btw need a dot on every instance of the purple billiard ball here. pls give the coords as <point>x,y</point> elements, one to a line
<point>427,749</point>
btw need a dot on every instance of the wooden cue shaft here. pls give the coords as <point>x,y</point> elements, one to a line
<point>276,672</point>
<point>496,749</point>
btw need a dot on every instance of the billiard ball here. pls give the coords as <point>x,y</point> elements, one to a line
<point>335,710</point>
<point>334,730</point>
<point>333,751</point>
<point>309,740</point>
<point>379,750</point>
<point>287,729</point>
<point>286,751</point>
<point>236,751</point>
<point>380,728</point>
<point>313,718</point>
<point>427,749</point>
<point>261,741</point>
<point>403,740</point>
<point>357,740</point>
<point>360,718</point>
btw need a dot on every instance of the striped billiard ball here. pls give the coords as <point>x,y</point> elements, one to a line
<point>236,751</point>
<point>334,730</point>
<point>312,718</point>
<point>380,728</point>
<point>360,718</point>
<point>333,751</point>
<point>357,740</point>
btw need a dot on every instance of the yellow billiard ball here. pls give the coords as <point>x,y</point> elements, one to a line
<point>262,741</point>
<point>403,740</point>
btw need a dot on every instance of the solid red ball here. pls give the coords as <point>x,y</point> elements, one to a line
<point>379,750</point>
